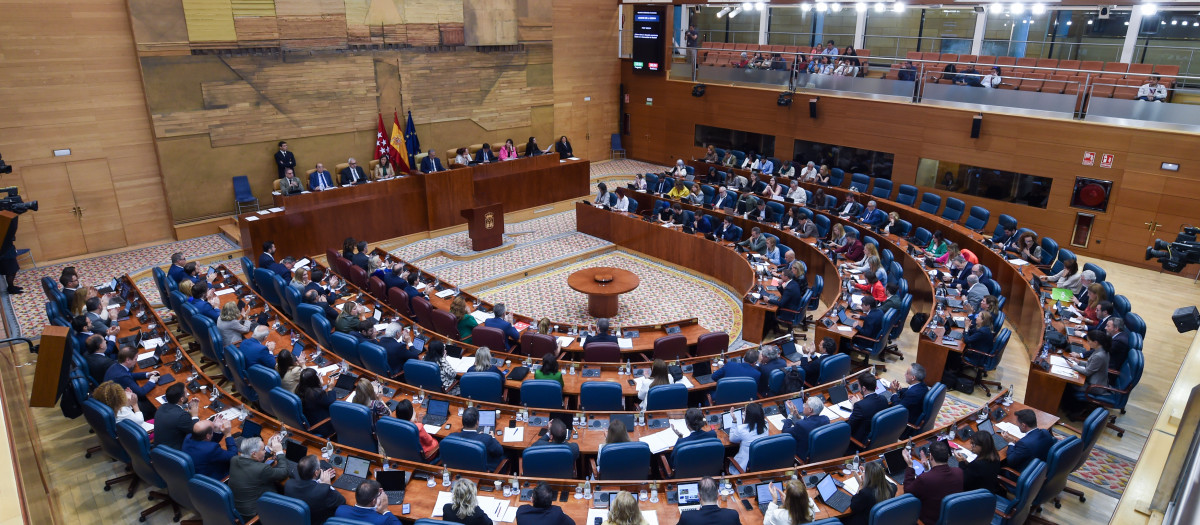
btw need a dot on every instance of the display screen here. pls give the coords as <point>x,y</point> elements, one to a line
<point>649,38</point>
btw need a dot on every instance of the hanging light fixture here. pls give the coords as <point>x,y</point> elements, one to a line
<point>861,7</point>
<point>1016,8</point>
<point>724,11</point>
<point>1038,9</point>
<point>835,7</point>
<point>1149,9</point>
<point>805,7</point>
<point>898,7</point>
<point>821,7</point>
<point>880,7</point>
<point>996,8</point>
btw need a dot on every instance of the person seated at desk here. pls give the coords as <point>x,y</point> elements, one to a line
<point>563,147</point>
<point>791,298</point>
<point>542,511</point>
<point>810,359</point>
<point>1069,277</point>
<point>462,157</point>
<point>662,186</point>
<point>800,425</point>
<point>849,208</point>
<point>873,287</point>
<point>1027,248</point>
<point>744,368</point>
<point>485,154</point>
<point>289,184</point>
<point>1035,445</point>
<point>284,268</point>
<point>796,194</point>
<point>752,428</point>
<point>872,319</point>
<point>532,149</point>
<point>352,174</point>
<point>289,367</point>
<point>315,400</point>
<point>431,163</point>
<point>984,471</point>
<point>770,360</point>
<point>937,245</point>
<point>404,412</point>
<point>1152,90</point>
<point>960,268</point>
<point>729,160</point>
<point>679,191</point>
<point>772,252</point>
<point>710,154</point>
<point>500,322</point>
<point>320,179</point>
<point>508,151</point>
<point>602,333</point>
<point>549,369</point>
<point>311,296</point>
<point>805,227</point>
<point>1006,235</point>
<point>864,410</point>
<point>370,505</point>
<point>874,488</point>
<point>788,170</point>
<point>1103,311</point>
<point>178,270</point>
<point>872,216</point>
<point>557,435</point>
<point>693,418</point>
<point>760,212</point>
<point>123,403</point>
<point>464,506</point>
<point>384,169</point>
<point>752,162</point>
<point>937,481</point>
<point>203,445</point>
<point>639,182</point>
<point>790,219</point>
<point>206,302</point>
<point>710,511</point>
<point>256,349</point>
<point>603,196</point>
<point>697,195</point>
<point>852,250</point>
<point>312,487</point>
<point>622,204</point>
<point>1095,373</point>
<point>757,242</point>
<point>267,257</point>
<point>672,214</point>
<point>396,341</point>
<point>972,77</point>
<point>912,396</point>
<point>121,373</point>
<point>976,290</point>
<point>766,166</point>
<point>250,477</point>
<point>790,506</point>
<point>175,418</point>
<point>726,231</point>
<point>470,425</point>
<point>348,321</point>
<point>1119,349</point>
<point>678,172</point>
<point>97,358</point>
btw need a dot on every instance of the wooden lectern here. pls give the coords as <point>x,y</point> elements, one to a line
<point>485,225</point>
<point>51,373</point>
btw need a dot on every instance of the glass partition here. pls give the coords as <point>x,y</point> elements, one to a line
<point>1170,38</point>
<point>745,141</point>
<point>850,160</point>
<point>1062,34</point>
<point>893,34</point>
<point>1007,186</point>
<point>740,29</point>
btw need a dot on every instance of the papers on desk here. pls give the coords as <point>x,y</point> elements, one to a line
<point>1063,371</point>
<point>263,212</point>
<point>224,291</point>
<point>481,316</point>
<point>431,430</point>
<point>420,286</point>
<point>572,158</point>
<point>325,370</point>
<point>514,435</point>
<point>582,341</point>
<point>151,344</point>
<point>1057,360</point>
<point>860,279</point>
<point>144,355</point>
<point>856,301</point>
<point>564,341</point>
<point>962,451</point>
<point>231,414</point>
<point>303,263</point>
<point>660,441</point>
<point>844,328</point>
<point>687,384</point>
<point>851,485</point>
<point>1010,429</point>
<point>114,305</point>
<point>251,218</point>
<point>276,193</point>
<point>1018,262</point>
<point>845,407</point>
<point>881,386</point>
<point>776,420</point>
<point>650,516</point>
<point>442,499</point>
<point>350,398</point>
<point>445,293</point>
<point>831,414</point>
<point>495,508</point>
<point>461,365</point>
<point>148,427</point>
<point>681,426</point>
<point>625,343</point>
<point>277,209</point>
<point>932,273</point>
<point>381,327</point>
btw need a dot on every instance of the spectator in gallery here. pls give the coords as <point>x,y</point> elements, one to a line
<point>1152,90</point>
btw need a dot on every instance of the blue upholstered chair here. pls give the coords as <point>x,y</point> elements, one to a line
<point>930,202</point>
<point>353,425</point>
<point>828,442</point>
<point>900,510</point>
<point>1015,510</point>
<point>667,397</point>
<point>886,427</point>
<point>277,509</point>
<point>976,507</point>
<point>466,454</point>
<point>907,195</point>
<point>734,390</point>
<point>399,439</point>
<point>600,396</point>
<point>630,460</point>
<point>977,218</point>
<point>548,461</point>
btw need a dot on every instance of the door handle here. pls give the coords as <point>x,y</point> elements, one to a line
<point>1149,225</point>
<point>80,211</point>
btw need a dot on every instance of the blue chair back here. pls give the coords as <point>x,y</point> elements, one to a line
<point>548,461</point>
<point>346,346</point>
<point>735,390</point>
<point>1101,275</point>
<point>241,190</point>
<point>901,228</point>
<point>464,454</point>
<point>136,442</point>
<point>735,232</point>
<point>290,300</point>
<point>1049,251</point>
<point>374,358</point>
<point>822,224</point>
<point>900,510</point>
<point>695,459</point>
<point>775,381</point>
<point>353,424</point>
<point>977,219</point>
<point>886,426</point>
<point>836,177</point>
<point>623,461</point>
<point>976,507</point>
<point>666,397</point>
<point>104,422</point>
<point>833,368</point>
<point>321,330</point>
<point>1127,378</point>
<point>1028,485</point>
<point>265,279</point>
<point>176,469</point>
<point>542,393</point>
<point>1121,305</point>
<point>907,194</point>
<point>651,180</point>
<point>860,182</point>
<point>207,336</point>
<point>930,202</point>
<point>1135,324</point>
<point>422,374</point>
<point>615,142</point>
<point>277,509</point>
<point>1090,433</point>
<point>1064,455</point>
<point>213,500</point>
<point>235,363</point>
<point>1006,221</point>
<point>160,283</point>
<point>930,407</point>
<point>288,408</point>
<point>262,380</point>
<point>828,442</point>
<point>399,439</point>
<point>817,287</point>
<point>600,396</point>
<point>247,270</point>
<point>882,188</point>
<point>772,452</point>
<point>885,326</point>
<point>922,236</point>
<point>954,209</point>
<point>482,386</point>
<point>902,315</point>
<point>303,313</point>
<point>774,211</point>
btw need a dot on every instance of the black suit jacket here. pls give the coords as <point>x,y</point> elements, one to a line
<point>171,424</point>
<point>397,353</point>
<point>265,260</point>
<point>431,164</point>
<point>604,338</point>
<point>530,515</point>
<point>98,365</point>
<point>360,260</point>
<point>322,499</point>
<point>284,160</point>
<point>484,155</point>
<point>860,417</point>
<point>709,514</point>
<point>344,175</point>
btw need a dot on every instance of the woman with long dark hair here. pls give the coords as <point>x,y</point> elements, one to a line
<point>752,428</point>
<point>315,401</point>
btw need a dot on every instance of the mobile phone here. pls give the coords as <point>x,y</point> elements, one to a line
<point>632,383</point>
<point>599,520</point>
<point>746,503</point>
<point>404,509</point>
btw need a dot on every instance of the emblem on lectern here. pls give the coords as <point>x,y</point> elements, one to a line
<point>489,220</point>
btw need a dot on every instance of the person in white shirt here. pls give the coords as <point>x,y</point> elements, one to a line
<point>809,173</point>
<point>797,194</point>
<point>787,169</point>
<point>752,162</point>
<point>993,79</point>
<point>622,203</point>
<point>752,428</point>
<point>659,375</point>
<point>791,505</point>
<point>639,182</point>
<point>122,400</point>
<point>1152,91</point>
<point>679,171</point>
<point>842,69</point>
<point>462,157</point>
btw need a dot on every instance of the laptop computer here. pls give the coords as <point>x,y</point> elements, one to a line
<point>828,489</point>
<point>393,483</point>
<point>487,421</point>
<point>344,385</point>
<point>689,494</point>
<point>843,318</point>
<point>893,462</point>
<point>702,372</point>
<point>250,429</point>
<point>763,494</point>
<point>627,419</point>
<point>436,412</point>
<point>294,451</point>
<point>838,393</point>
<point>953,335</point>
<point>1000,442</point>
<point>353,474</point>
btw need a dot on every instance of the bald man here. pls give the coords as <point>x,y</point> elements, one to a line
<point>204,447</point>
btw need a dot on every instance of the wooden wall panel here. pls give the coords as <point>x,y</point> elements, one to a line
<point>1051,148</point>
<point>490,22</point>
<point>586,65</point>
<point>209,20</point>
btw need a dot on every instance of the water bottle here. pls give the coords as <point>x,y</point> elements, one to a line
<point>445,477</point>
<point>327,450</point>
<point>516,487</point>
<point>572,369</point>
<point>857,462</point>
<point>654,493</point>
<point>908,446</point>
<point>587,489</point>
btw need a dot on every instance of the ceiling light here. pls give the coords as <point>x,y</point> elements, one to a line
<point>996,9</point>
<point>760,6</point>
<point>1126,22</point>
<point>1016,8</point>
<point>1195,24</point>
<point>747,6</point>
<point>898,7</point>
<point>1174,22</point>
<point>1068,22</point>
<point>880,7</point>
<point>1164,22</point>
<point>724,11</point>
<point>1149,9</point>
<point>735,11</point>
<point>821,7</point>
<point>1089,22</point>
<point>835,7</point>
<point>805,7</point>
<point>861,7</point>
<point>1038,9</point>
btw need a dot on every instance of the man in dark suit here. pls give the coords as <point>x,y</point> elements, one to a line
<point>98,361</point>
<point>470,422</point>
<point>1118,352</point>
<point>250,476</point>
<point>511,336</point>
<point>352,174</point>
<point>284,158</point>
<point>791,298</point>
<point>864,410</point>
<point>812,367</point>
<point>768,361</point>
<point>312,297</point>
<point>726,232</point>
<point>1035,445</point>
<point>849,208</point>
<point>121,374</point>
<point>694,419</point>
<point>557,435</point>
<point>872,216</point>
<point>175,418</point>
<point>395,342</point>
<point>542,510</point>
<point>710,511</point>
<point>95,316</point>
<point>911,397</point>
<point>938,481</point>
<point>83,330</point>
<point>320,179</point>
<point>360,258</point>
<point>283,268</point>
<point>201,295</point>
<point>411,289</point>
<point>723,200</point>
<point>370,506</point>
<point>431,163</point>
<point>960,269</point>
<point>747,367</point>
<point>395,277</point>
<point>872,320</point>
<point>894,300</point>
<point>1104,314</point>
<point>70,283</point>
<point>602,333</point>
<point>312,487</point>
<point>485,154</point>
<point>662,186</point>
<point>255,351</point>
<point>204,447</point>
<point>267,257</point>
<point>801,425</point>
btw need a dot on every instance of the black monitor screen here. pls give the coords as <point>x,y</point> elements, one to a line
<point>649,38</point>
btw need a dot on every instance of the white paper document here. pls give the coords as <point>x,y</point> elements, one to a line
<point>224,291</point>
<point>681,426</point>
<point>445,293</point>
<point>776,420</point>
<point>431,429</point>
<point>688,384</point>
<point>251,218</point>
<point>564,341</point>
<point>302,263</point>
<point>150,344</point>
<point>263,212</point>
<point>325,370</point>
<point>1010,429</point>
<point>1062,371</point>
<point>660,441</point>
<point>1057,360</point>
<point>845,407</point>
<point>481,316</point>
<point>276,209</point>
<point>1018,262</point>
<point>851,485</point>
<point>514,435</point>
<point>144,355</point>
<point>625,343</point>
<point>461,365</point>
<point>442,499</point>
<point>831,414</point>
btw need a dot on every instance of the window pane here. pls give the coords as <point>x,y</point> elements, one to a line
<point>745,141</point>
<point>1007,186</point>
<point>892,34</point>
<point>742,29</point>
<point>850,160</point>
<point>839,27</point>
<point>790,26</point>
<point>948,30</point>
<point>1170,38</point>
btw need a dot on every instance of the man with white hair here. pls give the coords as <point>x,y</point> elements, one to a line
<point>976,291</point>
<point>679,171</point>
<point>769,360</point>
<point>352,174</point>
<point>872,215</point>
<point>257,350</point>
<point>396,342</point>
<point>1086,278</point>
<point>809,173</point>
<point>250,477</point>
<point>801,426</point>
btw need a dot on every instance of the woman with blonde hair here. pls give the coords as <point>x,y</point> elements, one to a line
<point>1096,293</point>
<point>233,324</point>
<point>543,326</point>
<point>464,506</point>
<point>790,506</point>
<point>624,510</point>
<point>123,402</point>
<point>185,287</point>
<point>374,263</point>
<point>367,393</point>
<point>463,319</point>
<point>484,362</point>
<point>869,251</point>
<point>78,304</point>
<point>837,236</point>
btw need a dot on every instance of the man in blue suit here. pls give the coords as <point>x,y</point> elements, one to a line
<point>267,257</point>
<point>871,215</point>
<point>769,361</point>
<point>812,367</point>
<point>726,231</point>
<point>872,320</point>
<point>122,374</point>
<point>176,272</point>
<point>911,397</point>
<point>370,506</point>
<point>283,268</point>
<point>470,421</point>
<point>83,331</point>
<point>511,336</point>
<point>395,342</point>
<point>431,163</point>
<point>320,179</point>
<point>710,511</point>
<point>200,299</point>
<point>203,445</point>
<point>411,289</point>
<point>864,410</point>
<point>960,268</point>
<point>542,510</point>
<point>801,426</point>
<point>602,335</point>
<point>485,154</point>
<point>394,277</point>
<point>744,368</point>
<point>663,185</point>
<point>791,298</point>
<point>1035,445</point>
<point>254,351</point>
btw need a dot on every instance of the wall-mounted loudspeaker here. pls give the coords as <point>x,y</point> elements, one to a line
<point>976,124</point>
<point>1186,319</point>
<point>785,99</point>
<point>698,90</point>
<point>812,107</point>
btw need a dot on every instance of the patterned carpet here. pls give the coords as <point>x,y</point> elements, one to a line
<point>624,167</point>
<point>30,307</point>
<point>656,299</point>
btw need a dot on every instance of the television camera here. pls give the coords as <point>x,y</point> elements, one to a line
<point>1175,255</point>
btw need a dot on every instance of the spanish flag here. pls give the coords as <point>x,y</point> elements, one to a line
<point>399,158</point>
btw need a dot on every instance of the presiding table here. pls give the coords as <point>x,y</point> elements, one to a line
<point>602,286</point>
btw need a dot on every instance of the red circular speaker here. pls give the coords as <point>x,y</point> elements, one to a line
<point>1091,194</point>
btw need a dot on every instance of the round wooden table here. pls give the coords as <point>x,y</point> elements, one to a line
<point>602,286</point>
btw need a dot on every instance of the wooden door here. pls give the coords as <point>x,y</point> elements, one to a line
<point>55,224</point>
<point>1130,229</point>
<point>96,199</point>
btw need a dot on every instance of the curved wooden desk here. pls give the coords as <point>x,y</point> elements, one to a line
<point>603,285</point>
